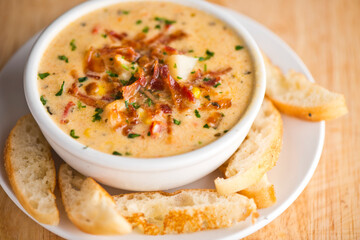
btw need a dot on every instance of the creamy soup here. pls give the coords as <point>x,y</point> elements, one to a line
<point>148,81</point>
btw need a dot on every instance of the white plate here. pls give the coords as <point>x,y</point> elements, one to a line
<point>302,147</point>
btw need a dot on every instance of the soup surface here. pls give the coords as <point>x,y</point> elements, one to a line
<point>148,81</point>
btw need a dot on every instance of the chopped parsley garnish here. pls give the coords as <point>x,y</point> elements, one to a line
<point>116,153</point>
<point>190,51</point>
<point>197,114</point>
<point>178,77</point>
<point>209,55</point>
<point>206,79</point>
<point>125,12</point>
<point>206,126</point>
<point>80,106</point>
<point>177,122</point>
<point>175,65</point>
<point>238,47</point>
<point>207,97</point>
<point>200,142</point>
<point>72,134</point>
<point>133,135</point>
<point>72,45</point>
<point>205,68</point>
<point>225,131</point>
<point>43,75</point>
<point>127,153</point>
<point>59,93</point>
<point>164,53</point>
<point>126,103</point>
<point>148,133</point>
<point>82,79</point>
<point>145,29</point>
<point>125,67</point>
<point>43,100</point>
<point>135,105</point>
<point>138,22</point>
<point>96,116</point>
<point>216,85</point>
<point>104,35</point>
<point>157,26</point>
<point>111,74</point>
<point>149,102</point>
<point>164,20</point>
<point>192,72</point>
<point>63,58</point>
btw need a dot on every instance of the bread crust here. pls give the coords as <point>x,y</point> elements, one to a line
<point>263,193</point>
<point>332,106</point>
<point>103,223</point>
<point>267,159</point>
<point>190,218</point>
<point>50,219</point>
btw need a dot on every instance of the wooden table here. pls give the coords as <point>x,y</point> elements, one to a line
<point>326,35</point>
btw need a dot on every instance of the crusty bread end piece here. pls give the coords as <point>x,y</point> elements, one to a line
<point>31,170</point>
<point>295,95</point>
<point>88,205</point>
<point>183,211</point>
<point>262,192</point>
<point>256,155</point>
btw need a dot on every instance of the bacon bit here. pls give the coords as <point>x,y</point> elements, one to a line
<point>214,119</point>
<point>117,36</point>
<point>92,75</point>
<point>165,108</point>
<point>155,128</point>
<point>218,72</point>
<point>166,39</point>
<point>131,90</point>
<point>170,50</point>
<point>178,93</point>
<point>169,122</point>
<point>212,81</point>
<point>90,101</point>
<point>93,63</point>
<point>155,82</point>
<point>127,130</point>
<point>73,90</point>
<point>95,29</point>
<point>219,104</point>
<point>66,112</point>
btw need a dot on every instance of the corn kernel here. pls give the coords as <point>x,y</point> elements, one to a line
<point>144,116</point>
<point>101,90</point>
<point>196,91</point>
<point>87,132</point>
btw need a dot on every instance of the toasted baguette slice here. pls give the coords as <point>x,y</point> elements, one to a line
<point>256,155</point>
<point>262,192</point>
<point>88,205</point>
<point>183,211</point>
<point>295,95</point>
<point>31,170</point>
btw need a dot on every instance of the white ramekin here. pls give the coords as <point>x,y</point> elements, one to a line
<point>141,174</point>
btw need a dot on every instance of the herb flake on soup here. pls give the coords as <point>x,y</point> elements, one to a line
<point>154,82</point>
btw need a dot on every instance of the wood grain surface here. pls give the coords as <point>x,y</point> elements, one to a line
<point>326,35</point>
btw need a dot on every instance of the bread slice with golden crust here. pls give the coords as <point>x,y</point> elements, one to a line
<point>257,154</point>
<point>262,192</point>
<point>31,170</point>
<point>183,211</point>
<point>295,95</point>
<point>88,205</point>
